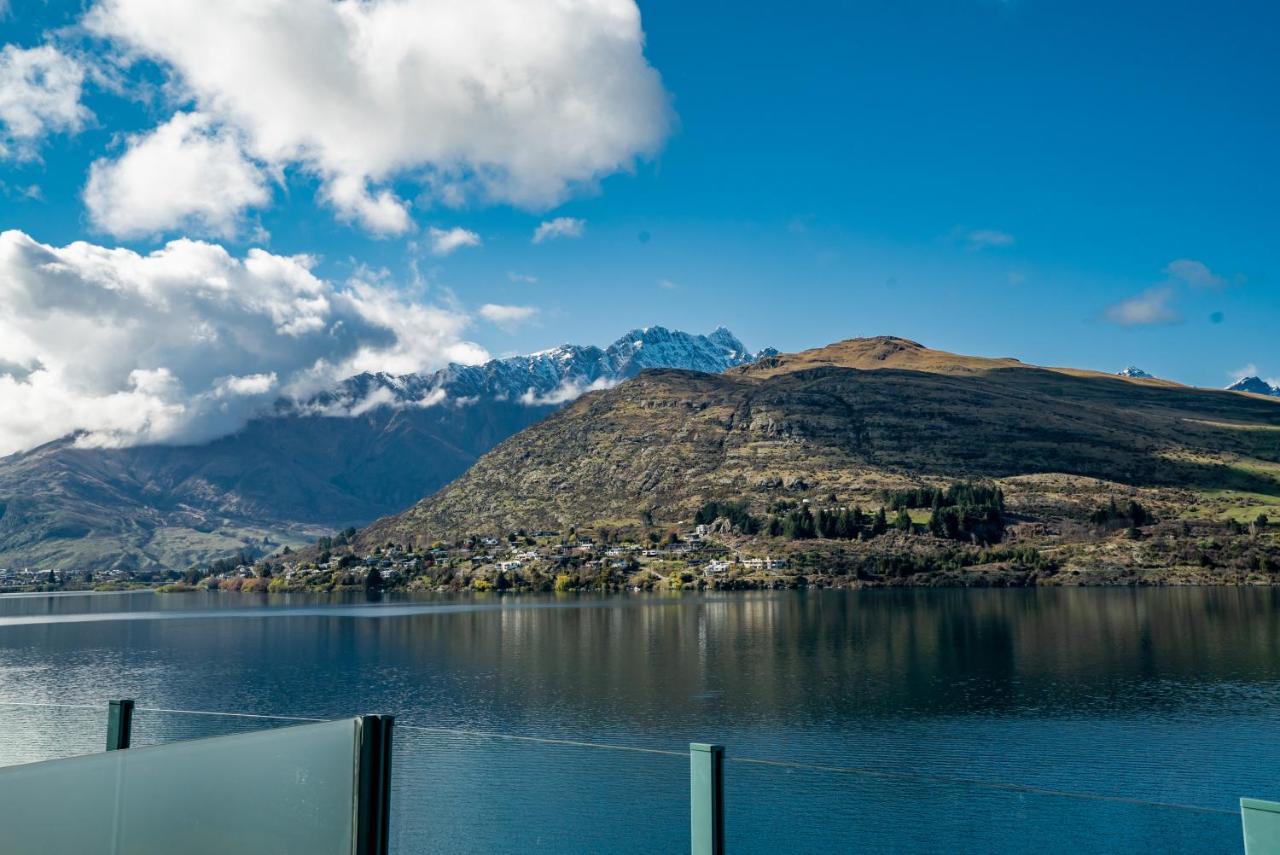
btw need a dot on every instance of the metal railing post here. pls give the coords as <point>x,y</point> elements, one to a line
<point>706,798</point>
<point>119,724</point>
<point>373,785</point>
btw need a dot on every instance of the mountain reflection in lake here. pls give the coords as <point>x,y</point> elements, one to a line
<point>1166,695</point>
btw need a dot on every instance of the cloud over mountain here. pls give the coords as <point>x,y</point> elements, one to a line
<point>188,342</point>
<point>497,101</point>
<point>507,317</point>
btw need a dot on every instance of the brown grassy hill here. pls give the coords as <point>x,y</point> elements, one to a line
<point>854,418</point>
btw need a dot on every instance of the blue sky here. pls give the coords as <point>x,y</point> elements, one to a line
<point>987,177</point>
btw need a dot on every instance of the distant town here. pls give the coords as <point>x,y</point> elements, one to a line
<point>533,560</point>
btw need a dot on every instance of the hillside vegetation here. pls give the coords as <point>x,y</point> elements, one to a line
<point>846,425</point>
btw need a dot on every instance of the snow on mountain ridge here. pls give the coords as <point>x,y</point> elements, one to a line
<point>1256,385</point>
<point>547,377</point>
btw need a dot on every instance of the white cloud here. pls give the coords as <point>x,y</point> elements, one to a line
<point>1195,273</point>
<point>568,390</point>
<point>445,241</point>
<point>1249,370</point>
<point>500,101</point>
<point>522,278</point>
<point>560,227</point>
<point>39,94</point>
<point>187,173</point>
<point>380,212</point>
<point>188,342</point>
<point>667,285</point>
<point>1148,308</point>
<point>507,317</point>
<point>988,239</point>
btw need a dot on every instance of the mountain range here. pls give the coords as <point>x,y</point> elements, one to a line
<point>369,447</point>
<point>852,420</point>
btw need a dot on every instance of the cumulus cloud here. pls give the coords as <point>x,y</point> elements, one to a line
<point>988,239</point>
<point>39,94</point>
<point>560,227</point>
<point>498,101</point>
<point>188,342</point>
<point>446,241</point>
<point>1194,273</point>
<point>187,173</point>
<point>507,317</point>
<point>1146,309</point>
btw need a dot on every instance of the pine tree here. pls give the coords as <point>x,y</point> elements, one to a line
<point>935,521</point>
<point>902,522</point>
<point>881,524</point>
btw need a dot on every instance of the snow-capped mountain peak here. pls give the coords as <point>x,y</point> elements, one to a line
<point>1256,385</point>
<point>1136,373</point>
<point>551,376</point>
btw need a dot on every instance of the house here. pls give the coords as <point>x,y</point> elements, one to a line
<point>714,567</point>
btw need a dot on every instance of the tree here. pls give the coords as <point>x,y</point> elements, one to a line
<point>800,524</point>
<point>373,579</point>
<point>902,522</point>
<point>881,523</point>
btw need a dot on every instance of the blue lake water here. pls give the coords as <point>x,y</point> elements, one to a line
<point>916,720</point>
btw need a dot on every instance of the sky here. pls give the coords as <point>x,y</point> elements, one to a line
<point>205,206</point>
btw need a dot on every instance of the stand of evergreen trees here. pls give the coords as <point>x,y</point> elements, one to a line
<point>1133,515</point>
<point>969,512</point>
<point>964,493</point>
<point>735,512</point>
<point>800,523</point>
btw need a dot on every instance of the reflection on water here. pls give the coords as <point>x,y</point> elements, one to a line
<point>1164,694</point>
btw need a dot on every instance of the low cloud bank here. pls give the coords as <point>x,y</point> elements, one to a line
<point>187,343</point>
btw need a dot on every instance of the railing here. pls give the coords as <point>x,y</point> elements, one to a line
<point>460,790</point>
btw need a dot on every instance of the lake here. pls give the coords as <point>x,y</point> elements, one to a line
<point>1085,720</point>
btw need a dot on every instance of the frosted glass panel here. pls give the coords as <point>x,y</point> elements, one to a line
<point>286,790</point>
<point>1261,826</point>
